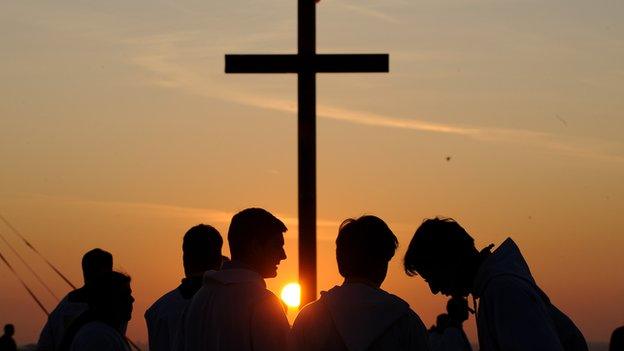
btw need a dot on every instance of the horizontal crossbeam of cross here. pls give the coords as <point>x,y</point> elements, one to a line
<point>320,63</point>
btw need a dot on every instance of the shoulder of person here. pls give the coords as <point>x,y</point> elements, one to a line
<point>411,321</point>
<point>310,314</point>
<point>268,302</point>
<point>509,285</point>
<point>162,301</point>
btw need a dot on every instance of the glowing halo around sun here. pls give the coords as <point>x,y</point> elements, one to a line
<point>291,295</point>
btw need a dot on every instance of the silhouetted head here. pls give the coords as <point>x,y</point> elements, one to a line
<point>9,329</point>
<point>443,253</point>
<point>364,247</point>
<point>201,250</point>
<point>457,309</point>
<point>110,297</point>
<point>617,340</point>
<point>95,262</point>
<point>442,322</point>
<point>256,238</point>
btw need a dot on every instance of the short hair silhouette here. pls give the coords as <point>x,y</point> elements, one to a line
<point>457,309</point>
<point>617,340</point>
<point>9,329</point>
<point>436,241</point>
<point>201,249</point>
<point>110,300</point>
<point>104,291</point>
<point>95,262</point>
<point>441,323</point>
<point>251,226</point>
<point>363,246</point>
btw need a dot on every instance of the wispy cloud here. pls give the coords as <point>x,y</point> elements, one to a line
<point>161,58</point>
<point>161,210</point>
<point>368,11</point>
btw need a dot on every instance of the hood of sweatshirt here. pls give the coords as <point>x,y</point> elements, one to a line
<point>362,313</point>
<point>233,273</point>
<point>505,260</point>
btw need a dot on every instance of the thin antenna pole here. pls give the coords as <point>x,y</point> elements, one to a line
<point>30,292</point>
<point>27,243</point>
<point>132,344</point>
<point>28,266</point>
<point>56,270</point>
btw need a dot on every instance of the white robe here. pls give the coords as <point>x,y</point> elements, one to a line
<point>234,311</point>
<point>164,319</point>
<point>357,317</point>
<point>58,321</point>
<point>514,313</point>
<point>98,336</point>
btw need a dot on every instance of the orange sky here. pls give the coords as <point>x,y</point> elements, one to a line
<point>119,129</point>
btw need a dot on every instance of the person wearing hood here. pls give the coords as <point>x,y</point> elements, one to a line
<point>233,310</point>
<point>201,252</point>
<point>94,263</point>
<point>513,313</point>
<point>358,315</point>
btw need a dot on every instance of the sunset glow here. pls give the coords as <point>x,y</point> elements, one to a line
<point>291,295</point>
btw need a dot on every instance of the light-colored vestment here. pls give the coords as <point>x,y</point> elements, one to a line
<point>233,311</point>
<point>514,313</point>
<point>98,336</point>
<point>358,317</point>
<point>164,319</point>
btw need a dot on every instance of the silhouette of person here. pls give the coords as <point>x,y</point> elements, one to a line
<point>102,326</point>
<point>453,337</point>
<point>359,315</point>
<point>201,252</point>
<point>514,313</point>
<point>6,340</point>
<point>617,340</point>
<point>94,262</point>
<point>233,310</point>
<point>436,332</point>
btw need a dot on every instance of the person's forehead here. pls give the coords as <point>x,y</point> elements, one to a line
<point>275,238</point>
<point>431,268</point>
<point>279,238</point>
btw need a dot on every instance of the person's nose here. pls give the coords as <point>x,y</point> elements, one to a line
<point>283,255</point>
<point>434,289</point>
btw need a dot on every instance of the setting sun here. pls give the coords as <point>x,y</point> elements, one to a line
<point>291,294</point>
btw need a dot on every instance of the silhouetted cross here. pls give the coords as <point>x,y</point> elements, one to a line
<point>306,63</point>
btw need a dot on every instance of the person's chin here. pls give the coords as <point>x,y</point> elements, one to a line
<point>271,273</point>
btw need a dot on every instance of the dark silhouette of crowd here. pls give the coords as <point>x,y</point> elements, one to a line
<point>223,304</point>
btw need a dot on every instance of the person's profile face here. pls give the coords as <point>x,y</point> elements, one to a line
<point>443,278</point>
<point>270,254</point>
<point>125,301</point>
<point>9,330</point>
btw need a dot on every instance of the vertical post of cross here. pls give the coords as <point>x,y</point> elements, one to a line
<point>307,148</point>
<point>306,64</point>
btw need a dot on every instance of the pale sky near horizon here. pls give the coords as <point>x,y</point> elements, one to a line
<point>119,129</point>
